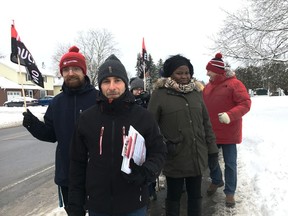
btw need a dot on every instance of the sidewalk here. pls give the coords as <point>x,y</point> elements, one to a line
<point>157,207</point>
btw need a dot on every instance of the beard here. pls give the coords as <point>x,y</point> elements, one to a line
<point>74,82</point>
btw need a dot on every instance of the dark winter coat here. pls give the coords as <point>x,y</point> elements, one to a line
<point>227,94</point>
<point>96,177</point>
<point>142,99</point>
<point>184,123</point>
<point>59,122</point>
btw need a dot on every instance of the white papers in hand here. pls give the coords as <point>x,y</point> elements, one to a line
<point>134,147</point>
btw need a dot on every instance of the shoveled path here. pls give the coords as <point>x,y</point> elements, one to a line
<point>157,207</point>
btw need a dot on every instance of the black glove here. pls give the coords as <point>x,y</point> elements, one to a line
<point>138,174</point>
<point>142,99</point>
<point>144,96</point>
<point>213,162</point>
<point>28,119</point>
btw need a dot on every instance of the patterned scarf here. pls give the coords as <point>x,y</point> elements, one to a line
<point>170,83</point>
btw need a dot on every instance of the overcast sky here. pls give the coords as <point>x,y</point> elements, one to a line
<point>169,27</point>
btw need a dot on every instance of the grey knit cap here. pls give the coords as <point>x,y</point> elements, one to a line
<point>136,82</point>
<point>112,67</point>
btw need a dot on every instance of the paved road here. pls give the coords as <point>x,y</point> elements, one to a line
<point>26,174</point>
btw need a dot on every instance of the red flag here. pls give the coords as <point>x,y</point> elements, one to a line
<point>143,61</point>
<point>144,52</point>
<point>18,50</point>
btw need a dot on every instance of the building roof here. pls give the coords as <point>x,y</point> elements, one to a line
<point>13,66</point>
<point>8,84</point>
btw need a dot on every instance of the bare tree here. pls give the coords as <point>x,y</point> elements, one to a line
<point>61,49</point>
<point>96,46</point>
<point>258,33</point>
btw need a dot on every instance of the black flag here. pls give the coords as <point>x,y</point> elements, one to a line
<point>18,49</point>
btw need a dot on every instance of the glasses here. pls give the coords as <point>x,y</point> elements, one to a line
<point>73,69</point>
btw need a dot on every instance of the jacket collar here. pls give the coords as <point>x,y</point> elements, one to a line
<point>121,104</point>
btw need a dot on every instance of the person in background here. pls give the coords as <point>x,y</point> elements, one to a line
<point>97,183</point>
<point>137,88</point>
<point>179,109</point>
<point>62,113</point>
<point>227,100</point>
<point>142,98</point>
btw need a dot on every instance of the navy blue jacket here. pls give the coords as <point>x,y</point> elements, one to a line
<point>59,123</point>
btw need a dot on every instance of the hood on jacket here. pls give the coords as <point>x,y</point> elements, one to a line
<point>160,83</point>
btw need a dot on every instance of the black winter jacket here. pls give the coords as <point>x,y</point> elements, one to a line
<point>59,123</point>
<point>97,181</point>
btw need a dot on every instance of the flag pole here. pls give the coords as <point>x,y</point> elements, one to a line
<point>144,56</point>
<point>144,75</point>
<point>23,92</point>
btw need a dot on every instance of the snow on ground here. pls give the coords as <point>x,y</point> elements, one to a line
<point>262,163</point>
<point>262,158</point>
<point>12,116</point>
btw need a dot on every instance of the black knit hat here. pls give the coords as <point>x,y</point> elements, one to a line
<point>136,82</point>
<point>172,63</point>
<point>112,67</point>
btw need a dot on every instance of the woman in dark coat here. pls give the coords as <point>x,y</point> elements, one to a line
<point>178,107</point>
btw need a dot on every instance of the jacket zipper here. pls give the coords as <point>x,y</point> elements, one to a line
<point>100,140</point>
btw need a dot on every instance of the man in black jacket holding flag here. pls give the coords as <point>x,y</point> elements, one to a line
<point>62,113</point>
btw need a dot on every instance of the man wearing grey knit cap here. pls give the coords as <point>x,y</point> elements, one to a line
<point>97,182</point>
<point>137,88</point>
<point>112,67</point>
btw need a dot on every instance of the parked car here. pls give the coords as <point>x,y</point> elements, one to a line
<point>19,102</point>
<point>45,100</point>
<point>260,91</point>
<point>278,92</point>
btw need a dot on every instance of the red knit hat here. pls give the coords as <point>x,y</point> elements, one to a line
<point>73,58</point>
<point>216,64</point>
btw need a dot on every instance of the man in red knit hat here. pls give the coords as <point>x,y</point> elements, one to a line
<point>62,113</point>
<point>227,100</point>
